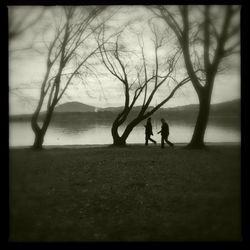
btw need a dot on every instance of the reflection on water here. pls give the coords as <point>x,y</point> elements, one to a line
<point>99,132</point>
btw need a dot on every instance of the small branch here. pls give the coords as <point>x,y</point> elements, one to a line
<point>184,81</point>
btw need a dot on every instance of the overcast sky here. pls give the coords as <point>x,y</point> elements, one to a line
<point>27,67</point>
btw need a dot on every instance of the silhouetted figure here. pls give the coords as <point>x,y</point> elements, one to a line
<point>148,132</point>
<point>165,133</point>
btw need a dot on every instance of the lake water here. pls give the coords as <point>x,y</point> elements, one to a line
<point>98,132</point>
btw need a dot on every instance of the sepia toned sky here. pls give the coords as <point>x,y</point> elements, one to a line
<point>27,67</point>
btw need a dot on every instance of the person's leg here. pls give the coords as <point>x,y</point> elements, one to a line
<point>162,142</point>
<point>168,142</point>
<point>152,140</point>
<point>146,140</point>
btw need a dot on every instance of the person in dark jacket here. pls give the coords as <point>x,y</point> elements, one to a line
<point>148,132</point>
<point>164,134</point>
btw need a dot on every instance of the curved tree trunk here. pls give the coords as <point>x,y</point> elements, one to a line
<point>39,136</point>
<point>117,139</point>
<point>37,145</point>
<point>40,132</point>
<point>197,141</point>
<point>121,140</point>
<point>38,142</point>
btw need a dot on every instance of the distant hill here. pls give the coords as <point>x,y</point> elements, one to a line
<point>231,106</point>
<point>74,109</point>
<point>71,107</point>
<point>227,107</point>
<point>185,108</point>
<point>224,109</point>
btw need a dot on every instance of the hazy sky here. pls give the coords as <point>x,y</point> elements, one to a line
<point>27,68</point>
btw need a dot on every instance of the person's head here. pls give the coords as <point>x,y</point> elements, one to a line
<point>163,120</point>
<point>149,119</point>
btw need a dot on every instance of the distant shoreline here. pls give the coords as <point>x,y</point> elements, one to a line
<point>180,144</point>
<point>229,107</point>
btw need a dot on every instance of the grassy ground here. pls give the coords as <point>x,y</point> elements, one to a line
<point>125,194</point>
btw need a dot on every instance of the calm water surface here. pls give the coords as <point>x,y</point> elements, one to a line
<point>98,132</point>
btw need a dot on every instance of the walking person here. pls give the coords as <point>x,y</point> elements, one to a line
<point>165,133</point>
<point>148,132</point>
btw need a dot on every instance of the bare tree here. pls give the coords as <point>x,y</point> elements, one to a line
<point>136,80</point>
<point>20,22</point>
<point>21,19</point>
<point>212,30</point>
<point>66,57</point>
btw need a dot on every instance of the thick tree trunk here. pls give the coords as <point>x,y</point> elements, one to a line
<point>117,139</point>
<point>40,132</point>
<point>38,142</point>
<point>121,140</point>
<point>197,141</point>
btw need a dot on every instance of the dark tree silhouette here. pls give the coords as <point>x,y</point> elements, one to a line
<point>136,80</point>
<point>216,35</point>
<point>66,49</point>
